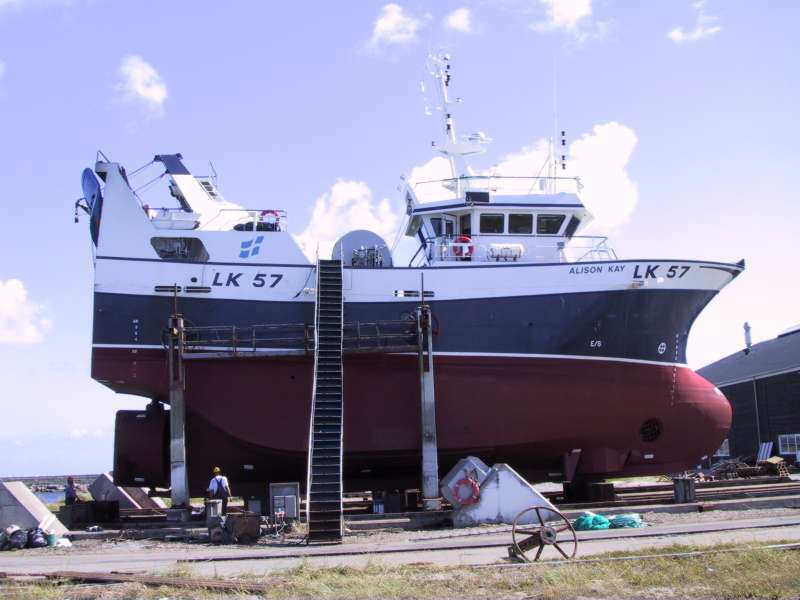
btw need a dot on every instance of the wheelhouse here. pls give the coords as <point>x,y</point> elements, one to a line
<point>501,219</point>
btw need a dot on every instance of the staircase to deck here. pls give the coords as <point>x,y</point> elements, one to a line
<point>324,507</point>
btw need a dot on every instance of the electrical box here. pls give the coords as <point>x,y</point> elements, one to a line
<point>286,497</point>
<point>254,505</point>
<point>288,504</point>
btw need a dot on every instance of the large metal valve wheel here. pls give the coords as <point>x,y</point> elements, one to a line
<point>527,537</point>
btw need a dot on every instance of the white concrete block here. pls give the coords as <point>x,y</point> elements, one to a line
<point>504,494</point>
<point>471,466</point>
<point>20,506</point>
<point>103,489</point>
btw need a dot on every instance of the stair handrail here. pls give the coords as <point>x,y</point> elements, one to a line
<point>341,377</point>
<point>313,394</point>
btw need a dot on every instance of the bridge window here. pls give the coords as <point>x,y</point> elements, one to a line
<point>492,223</point>
<point>572,226</point>
<point>180,248</point>
<point>520,223</point>
<point>549,224</point>
<point>436,225</point>
<point>465,222</point>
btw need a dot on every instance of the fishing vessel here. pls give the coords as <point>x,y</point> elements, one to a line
<point>551,353</point>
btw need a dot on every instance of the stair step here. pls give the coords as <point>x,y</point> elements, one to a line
<point>331,429</point>
<point>324,536</point>
<point>324,507</point>
<point>325,497</point>
<point>330,525</point>
<point>332,448</point>
<point>324,472</point>
<point>328,466</point>
<point>322,478</point>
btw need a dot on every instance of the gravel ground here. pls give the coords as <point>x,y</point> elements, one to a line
<point>399,536</point>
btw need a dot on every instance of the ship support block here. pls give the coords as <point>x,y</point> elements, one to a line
<point>430,461</point>
<point>179,481</point>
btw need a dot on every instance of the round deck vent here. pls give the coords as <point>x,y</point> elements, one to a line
<point>651,430</point>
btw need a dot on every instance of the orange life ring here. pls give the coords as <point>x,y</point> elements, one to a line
<point>271,213</point>
<point>460,250</point>
<point>472,488</point>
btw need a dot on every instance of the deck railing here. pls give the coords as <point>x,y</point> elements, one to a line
<point>497,185</point>
<point>249,219</point>
<point>524,249</point>
<point>298,338</point>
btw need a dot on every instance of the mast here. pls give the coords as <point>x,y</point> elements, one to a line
<point>453,149</point>
<point>441,71</point>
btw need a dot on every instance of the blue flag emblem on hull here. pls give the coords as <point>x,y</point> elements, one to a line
<point>251,247</point>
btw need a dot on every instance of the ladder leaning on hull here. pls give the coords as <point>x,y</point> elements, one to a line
<point>324,483</point>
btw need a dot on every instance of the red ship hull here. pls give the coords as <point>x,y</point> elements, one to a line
<point>251,417</point>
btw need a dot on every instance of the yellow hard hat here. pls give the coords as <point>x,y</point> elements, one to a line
<point>216,471</point>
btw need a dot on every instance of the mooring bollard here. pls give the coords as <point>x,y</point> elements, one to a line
<point>684,488</point>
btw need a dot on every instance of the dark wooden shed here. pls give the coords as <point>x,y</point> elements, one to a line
<point>762,384</point>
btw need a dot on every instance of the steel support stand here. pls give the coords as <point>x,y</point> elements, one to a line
<point>179,480</point>
<point>431,499</point>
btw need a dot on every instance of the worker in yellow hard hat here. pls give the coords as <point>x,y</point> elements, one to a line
<point>219,488</point>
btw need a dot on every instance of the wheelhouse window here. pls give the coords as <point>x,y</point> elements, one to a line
<point>180,248</point>
<point>465,224</point>
<point>491,223</point>
<point>549,224</point>
<point>789,443</point>
<point>520,223</point>
<point>436,225</point>
<point>572,226</point>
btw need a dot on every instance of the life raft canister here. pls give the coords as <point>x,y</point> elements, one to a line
<point>466,491</point>
<point>463,247</point>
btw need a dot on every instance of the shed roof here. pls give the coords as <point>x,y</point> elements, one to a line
<point>765,359</point>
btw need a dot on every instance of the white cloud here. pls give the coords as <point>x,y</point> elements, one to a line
<point>459,20</point>
<point>140,83</point>
<point>573,17</point>
<point>436,169</point>
<point>705,26</point>
<point>77,434</point>
<point>394,27</point>
<point>564,14</point>
<point>600,158</point>
<point>21,322</point>
<point>4,4</point>
<point>529,161</point>
<point>348,205</point>
<point>80,433</point>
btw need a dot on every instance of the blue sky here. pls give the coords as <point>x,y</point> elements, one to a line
<point>682,117</point>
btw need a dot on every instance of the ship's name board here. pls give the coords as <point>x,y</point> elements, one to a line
<point>639,271</point>
<point>238,280</point>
